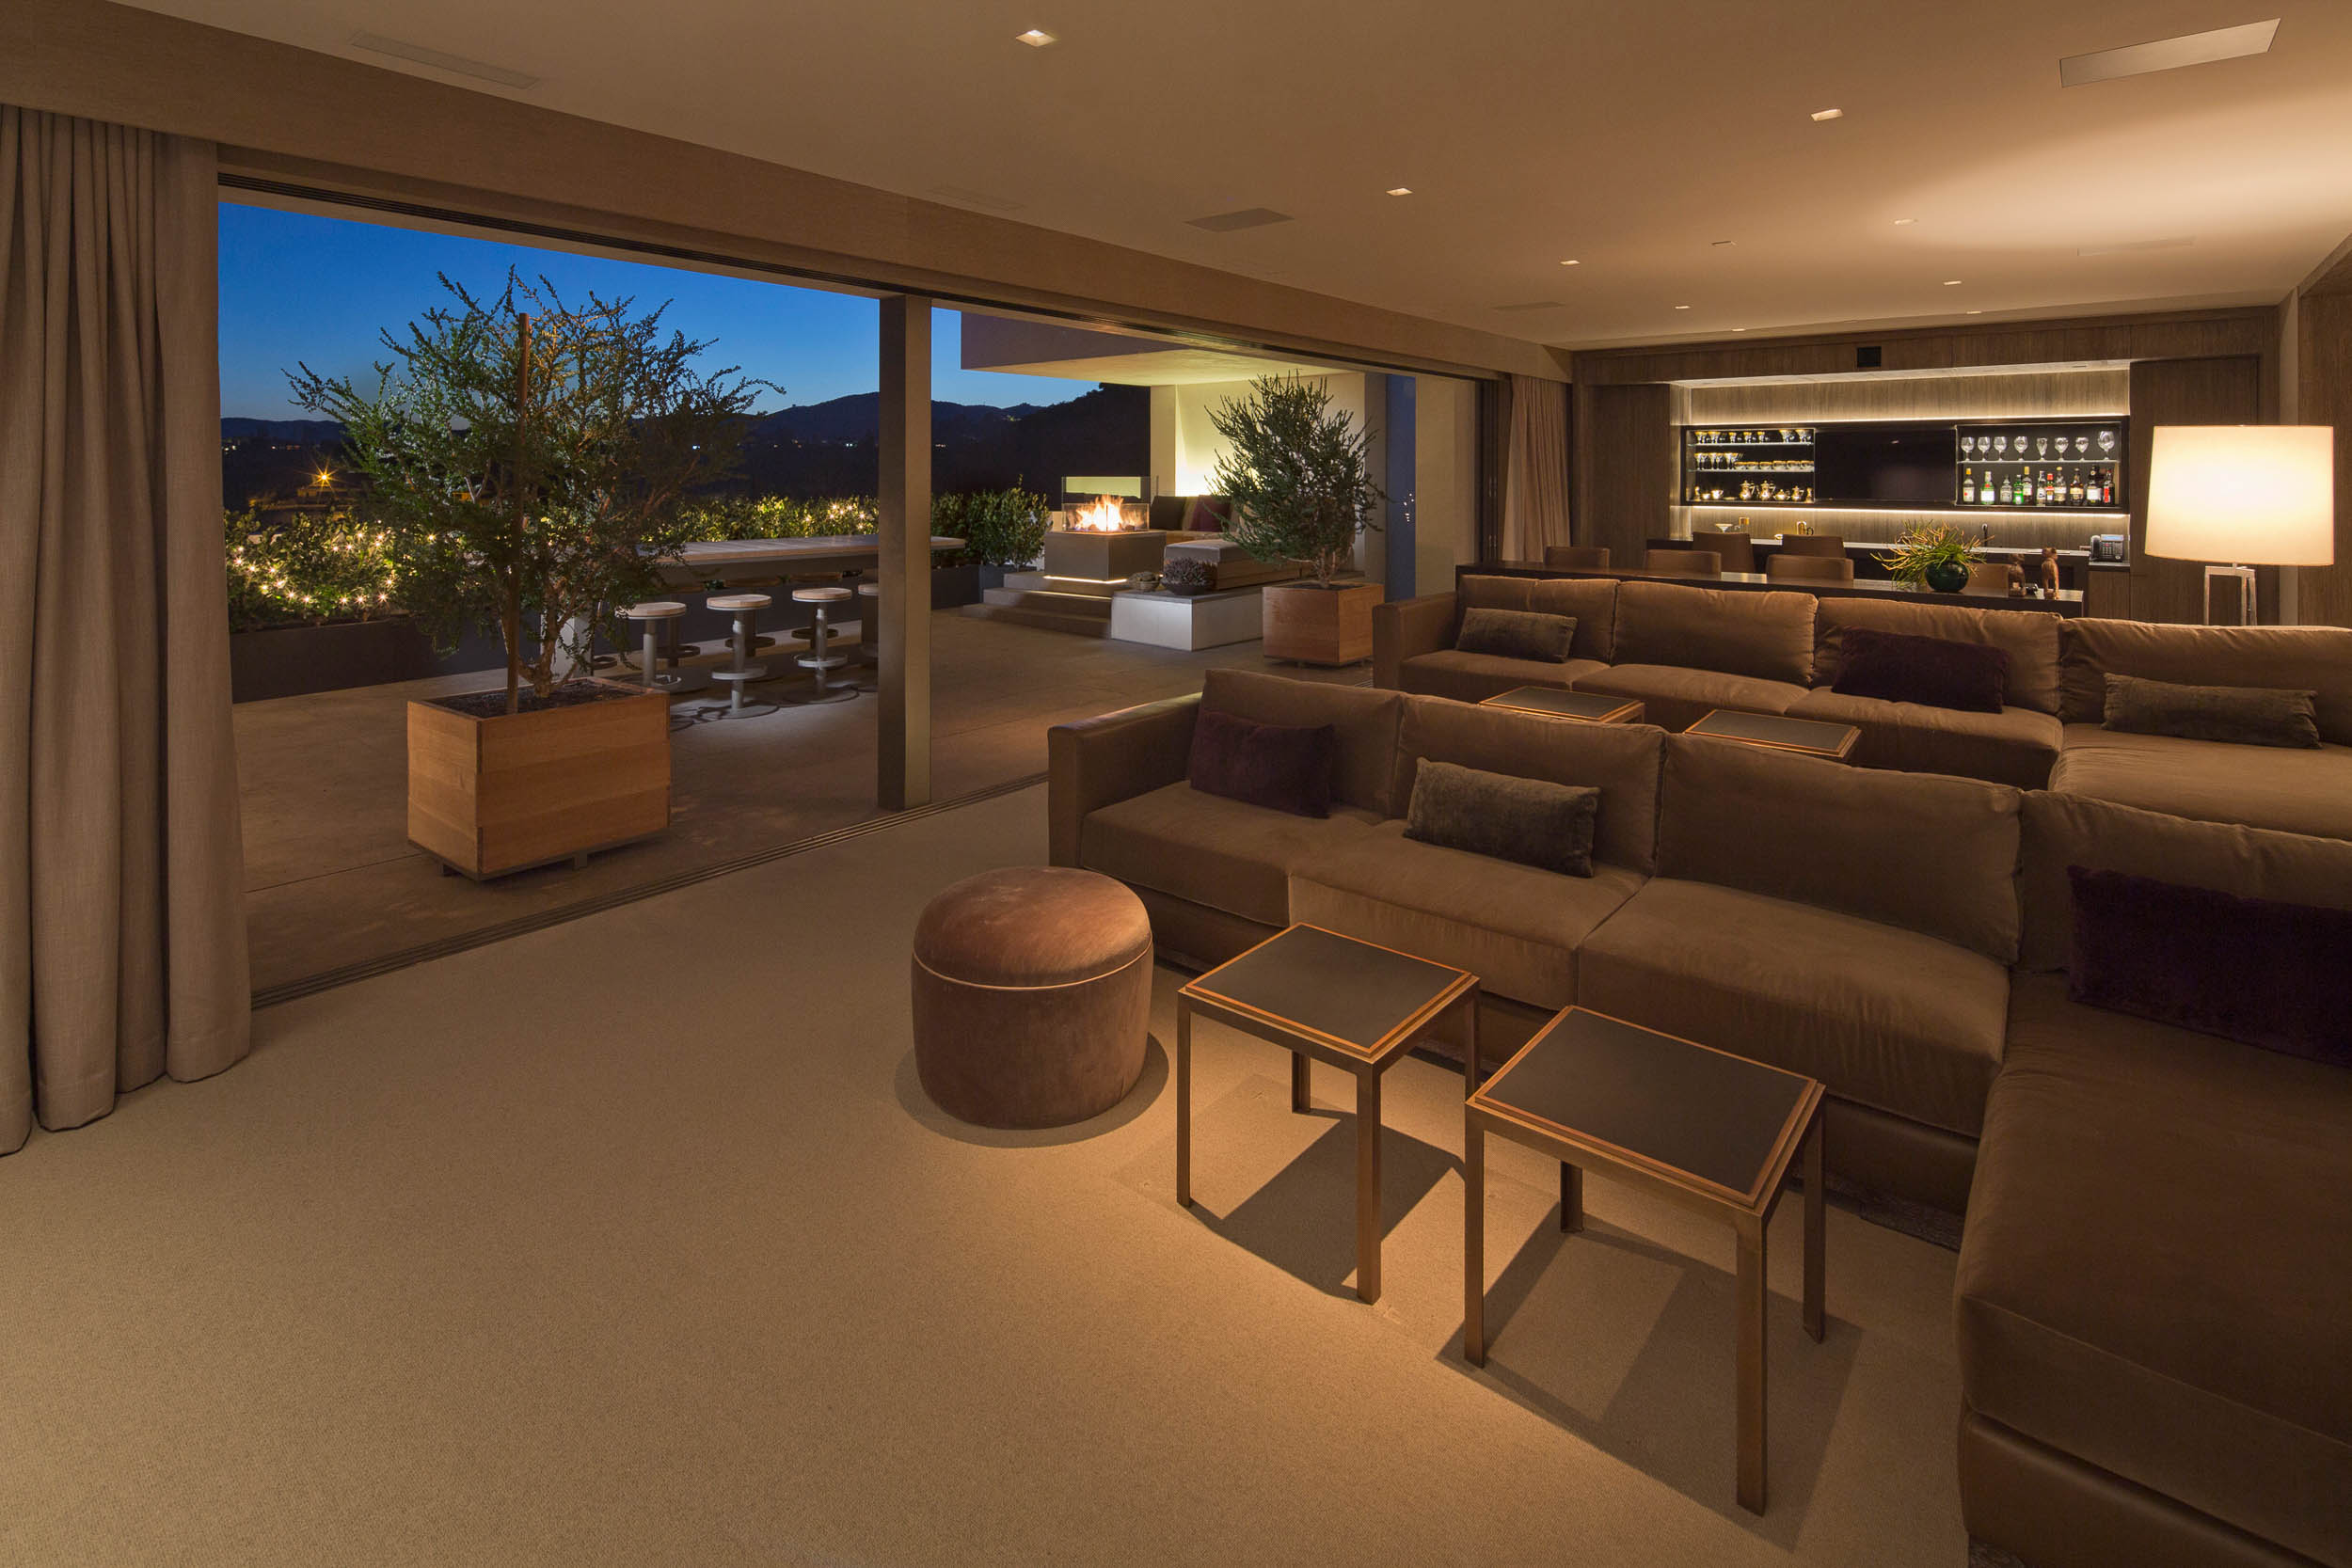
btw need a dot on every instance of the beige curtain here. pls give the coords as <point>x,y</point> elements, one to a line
<point>1535,470</point>
<point>123,948</point>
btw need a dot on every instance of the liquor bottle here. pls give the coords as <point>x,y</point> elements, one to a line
<point>1968,488</point>
<point>2075,490</point>
<point>2004,492</point>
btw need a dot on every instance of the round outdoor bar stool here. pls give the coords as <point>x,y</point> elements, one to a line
<point>742,671</point>
<point>870,618</point>
<point>820,656</point>
<point>1032,996</point>
<point>654,615</point>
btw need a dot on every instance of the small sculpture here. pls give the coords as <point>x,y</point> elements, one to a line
<point>2049,571</point>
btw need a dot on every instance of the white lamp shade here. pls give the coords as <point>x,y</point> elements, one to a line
<point>2254,495</point>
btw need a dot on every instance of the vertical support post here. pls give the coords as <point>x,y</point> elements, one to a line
<point>1474,1237</point>
<point>1748,1291</point>
<point>903,740</point>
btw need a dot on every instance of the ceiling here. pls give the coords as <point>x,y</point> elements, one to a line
<point>1632,138</point>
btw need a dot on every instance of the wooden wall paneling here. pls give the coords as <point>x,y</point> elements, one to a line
<point>2052,394</point>
<point>2172,335</point>
<point>2223,391</point>
<point>1625,467</point>
<point>2323,384</point>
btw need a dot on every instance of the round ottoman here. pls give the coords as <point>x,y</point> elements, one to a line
<point>1032,996</point>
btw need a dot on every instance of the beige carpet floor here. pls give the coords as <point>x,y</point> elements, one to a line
<point>634,1241</point>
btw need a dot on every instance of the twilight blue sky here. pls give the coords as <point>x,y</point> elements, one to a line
<point>295,287</point>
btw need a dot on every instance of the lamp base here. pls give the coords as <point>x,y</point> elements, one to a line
<point>2244,578</point>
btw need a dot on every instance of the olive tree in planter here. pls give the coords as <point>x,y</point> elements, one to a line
<point>530,461</point>
<point>1301,489</point>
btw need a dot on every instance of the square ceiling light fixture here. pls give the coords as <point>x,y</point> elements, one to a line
<point>2138,59</point>
<point>1035,38</point>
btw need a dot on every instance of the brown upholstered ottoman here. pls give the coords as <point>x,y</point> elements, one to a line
<point>1032,996</point>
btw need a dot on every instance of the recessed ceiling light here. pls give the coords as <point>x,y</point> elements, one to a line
<point>1976,312</point>
<point>1683,308</point>
<point>1739,329</point>
<point>1399,190</point>
<point>1900,222</point>
<point>1829,114</point>
<point>1951,282</point>
<point>1035,38</point>
<point>2137,59</point>
<point>1571,261</point>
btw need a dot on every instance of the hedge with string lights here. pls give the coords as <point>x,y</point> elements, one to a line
<point>308,569</point>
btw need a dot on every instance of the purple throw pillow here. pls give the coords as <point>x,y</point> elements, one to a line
<point>2251,970</point>
<point>1936,671</point>
<point>1285,767</point>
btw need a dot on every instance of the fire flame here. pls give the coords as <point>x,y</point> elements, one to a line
<point>1101,515</point>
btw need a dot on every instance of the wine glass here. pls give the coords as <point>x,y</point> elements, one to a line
<point>2000,446</point>
<point>2082,447</point>
<point>2107,443</point>
<point>1967,446</point>
<point>2041,446</point>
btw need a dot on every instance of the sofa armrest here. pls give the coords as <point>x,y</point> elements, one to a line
<point>1093,762</point>
<point>1407,628</point>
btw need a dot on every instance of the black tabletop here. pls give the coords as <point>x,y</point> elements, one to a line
<point>1774,729</point>
<point>1568,705</point>
<point>1347,990</point>
<point>1663,1100</point>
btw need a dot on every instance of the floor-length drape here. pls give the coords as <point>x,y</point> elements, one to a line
<point>1536,469</point>
<point>122,951</point>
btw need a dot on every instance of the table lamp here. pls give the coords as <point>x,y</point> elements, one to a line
<point>2246,495</point>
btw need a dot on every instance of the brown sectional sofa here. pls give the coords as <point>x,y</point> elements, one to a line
<point>1683,650</point>
<point>2159,1240</point>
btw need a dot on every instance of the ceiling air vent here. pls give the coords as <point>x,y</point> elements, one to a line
<point>1531,305</point>
<point>1248,217</point>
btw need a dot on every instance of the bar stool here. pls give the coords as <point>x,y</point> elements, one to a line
<point>742,671</point>
<point>869,622</point>
<point>655,614</point>
<point>820,656</point>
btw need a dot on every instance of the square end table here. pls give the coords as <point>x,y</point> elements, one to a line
<point>1697,1126</point>
<point>1329,998</point>
<point>1813,738</point>
<point>1553,701</point>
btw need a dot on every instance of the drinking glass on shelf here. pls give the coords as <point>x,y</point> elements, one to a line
<point>2000,446</point>
<point>2107,443</point>
<point>1967,445</point>
<point>2042,445</point>
<point>2082,447</point>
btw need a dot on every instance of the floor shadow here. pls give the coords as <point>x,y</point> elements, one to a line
<point>907,1084</point>
<point>1629,1346</point>
<point>1303,1219</point>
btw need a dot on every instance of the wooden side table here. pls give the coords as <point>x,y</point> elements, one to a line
<point>1328,998</point>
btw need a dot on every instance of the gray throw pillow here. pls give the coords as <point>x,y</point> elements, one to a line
<point>1516,634</point>
<point>1532,821</point>
<point>2243,715</point>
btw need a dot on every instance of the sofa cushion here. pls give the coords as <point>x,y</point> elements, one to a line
<point>2295,791</point>
<point>1677,697</point>
<point>2257,971</point>
<point>2300,659</point>
<point>1591,602</point>
<point>1212,850</point>
<point>1516,634</point>
<point>1768,636</point>
<point>2029,637</point>
<point>1362,721</point>
<point>1931,854</point>
<point>2233,715</point>
<point>1515,927</point>
<point>2062,830</point>
<point>1622,761</point>
<point>1510,817</point>
<point>1935,672</point>
<point>1886,1017</point>
<point>1467,677</point>
<point>2016,746</point>
<point>1281,767</point>
<point>2157,1263</point>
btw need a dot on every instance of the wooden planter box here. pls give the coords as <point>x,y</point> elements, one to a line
<point>489,795</point>
<point>1312,625</point>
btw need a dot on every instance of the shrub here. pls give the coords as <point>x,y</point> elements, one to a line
<point>1000,528</point>
<point>308,569</point>
<point>1183,574</point>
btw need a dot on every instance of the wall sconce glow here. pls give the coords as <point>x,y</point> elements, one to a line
<point>1035,38</point>
<point>1829,114</point>
<point>1399,190</point>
